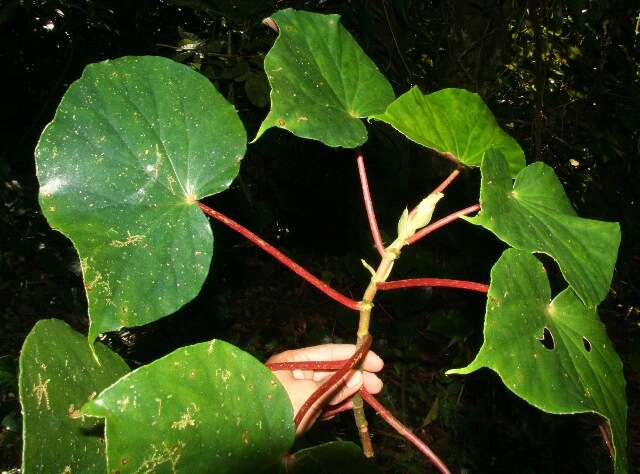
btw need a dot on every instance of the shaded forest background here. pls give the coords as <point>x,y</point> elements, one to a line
<point>561,77</point>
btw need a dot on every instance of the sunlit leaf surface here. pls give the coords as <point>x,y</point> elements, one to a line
<point>134,142</point>
<point>454,122</point>
<point>322,83</point>
<point>58,374</point>
<point>209,407</point>
<point>553,353</point>
<point>534,214</point>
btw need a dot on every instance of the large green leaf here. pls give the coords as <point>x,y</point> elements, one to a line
<point>58,374</point>
<point>133,144</point>
<point>330,458</point>
<point>209,407</point>
<point>534,214</point>
<point>580,372</point>
<point>454,122</point>
<point>322,83</point>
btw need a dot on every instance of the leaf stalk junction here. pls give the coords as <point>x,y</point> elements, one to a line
<point>412,226</point>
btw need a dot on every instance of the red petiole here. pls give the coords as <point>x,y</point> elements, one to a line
<point>282,258</point>
<point>404,431</point>
<point>442,282</point>
<point>442,222</point>
<point>343,367</point>
<point>368,204</point>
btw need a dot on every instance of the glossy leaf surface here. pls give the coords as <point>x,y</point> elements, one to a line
<point>330,458</point>
<point>133,143</point>
<point>454,122</point>
<point>209,407</point>
<point>534,214</point>
<point>555,354</point>
<point>58,374</point>
<point>322,83</point>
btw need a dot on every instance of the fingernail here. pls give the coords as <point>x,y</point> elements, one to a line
<point>355,380</point>
<point>297,374</point>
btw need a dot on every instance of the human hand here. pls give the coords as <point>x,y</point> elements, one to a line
<point>300,384</point>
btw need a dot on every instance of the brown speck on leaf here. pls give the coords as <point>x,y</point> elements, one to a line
<point>281,122</point>
<point>245,438</point>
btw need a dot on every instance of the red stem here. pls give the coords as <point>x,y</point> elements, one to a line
<point>444,282</point>
<point>282,258</point>
<point>404,431</point>
<point>334,380</point>
<point>454,174</point>
<point>441,187</point>
<point>332,410</point>
<point>368,204</point>
<point>307,365</point>
<point>442,222</point>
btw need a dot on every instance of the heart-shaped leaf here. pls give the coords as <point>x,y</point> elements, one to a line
<point>58,374</point>
<point>555,354</point>
<point>534,214</point>
<point>202,408</point>
<point>330,458</point>
<point>133,144</point>
<point>454,122</point>
<point>322,83</point>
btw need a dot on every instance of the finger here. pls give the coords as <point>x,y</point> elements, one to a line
<point>372,362</point>
<point>372,383</point>
<point>320,376</point>
<point>302,374</point>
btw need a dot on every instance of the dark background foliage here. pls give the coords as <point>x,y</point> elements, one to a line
<point>562,77</point>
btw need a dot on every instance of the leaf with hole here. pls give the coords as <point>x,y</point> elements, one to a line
<point>534,214</point>
<point>58,374</point>
<point>453,122</point>
<point>553,353</point>
<point>202,407</point>
<point>322,83</point>
<point>134,142</point>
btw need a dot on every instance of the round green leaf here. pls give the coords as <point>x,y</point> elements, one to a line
<point>534,214</point>
<point>555,354</point>
<point>58,374</point>
<point>454,122</point>
<point>134,142</point>
<point>203,408</point>
<point>330,458</point>
<point>322,83</point>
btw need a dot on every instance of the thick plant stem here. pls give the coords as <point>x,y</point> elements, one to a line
<point>363,426</point>
<point>404,431</point>
<point>443,282</point>
<point>282,258</point>
<point>368,204</point>
<point>442,222</point>
<point>366,305</point>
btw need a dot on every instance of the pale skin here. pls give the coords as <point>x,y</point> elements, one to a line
<point>300,384</point>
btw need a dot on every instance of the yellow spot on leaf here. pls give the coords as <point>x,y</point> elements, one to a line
<point>41,392</point>
<point>130,240</point>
